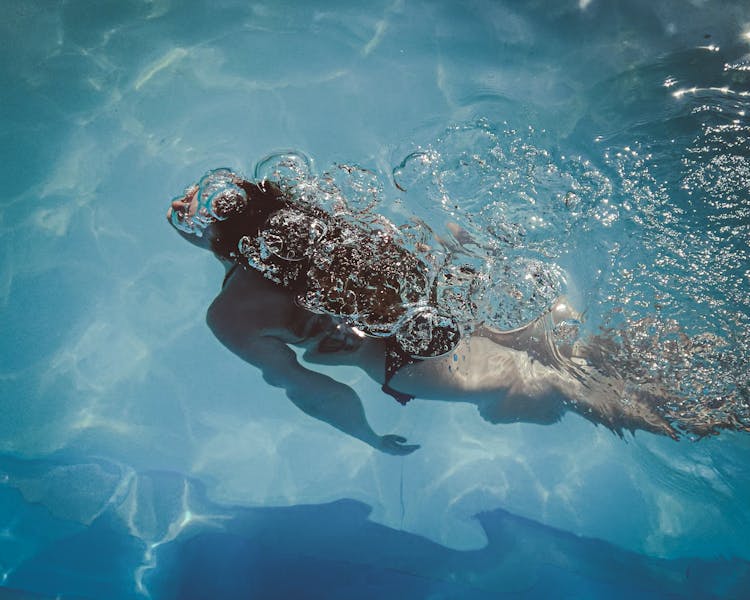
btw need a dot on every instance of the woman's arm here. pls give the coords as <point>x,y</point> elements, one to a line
<point>318,395</point>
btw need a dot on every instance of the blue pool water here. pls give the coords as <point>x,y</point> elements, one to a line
<point>609,141</point>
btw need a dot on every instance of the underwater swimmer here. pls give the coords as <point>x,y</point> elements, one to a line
<point>299,276</point>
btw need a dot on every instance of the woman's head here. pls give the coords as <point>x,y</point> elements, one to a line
<point>216,197</point>
<point>219,209</point>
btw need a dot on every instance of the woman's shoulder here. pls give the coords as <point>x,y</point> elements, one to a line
<point>250,303</point>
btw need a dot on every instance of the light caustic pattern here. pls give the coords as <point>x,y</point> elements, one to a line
<point>501,220</point>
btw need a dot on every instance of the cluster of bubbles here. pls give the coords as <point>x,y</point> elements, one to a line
<point>507,210</point>
<point>487,213</point>
<point>474,235</point>
<point>357,266</point>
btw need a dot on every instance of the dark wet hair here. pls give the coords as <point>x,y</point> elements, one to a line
<point>262,202</point>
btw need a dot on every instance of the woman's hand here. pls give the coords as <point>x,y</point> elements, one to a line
<point>396,444</point>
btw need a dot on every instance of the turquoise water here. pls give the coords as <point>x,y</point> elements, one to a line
<point>140,458</point>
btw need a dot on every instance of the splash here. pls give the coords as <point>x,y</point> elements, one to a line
<point>676,301</point>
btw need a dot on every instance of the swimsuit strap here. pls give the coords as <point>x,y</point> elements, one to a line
<point>229,274</point>
<point>395,359</point>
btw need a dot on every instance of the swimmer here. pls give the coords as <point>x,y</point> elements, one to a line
<point>297,276</point>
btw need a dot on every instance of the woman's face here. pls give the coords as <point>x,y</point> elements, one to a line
<point>216,197</point>
<point>180,213</point>
<point>180,209</point>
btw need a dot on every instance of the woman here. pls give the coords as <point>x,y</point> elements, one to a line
<point>347,294</point>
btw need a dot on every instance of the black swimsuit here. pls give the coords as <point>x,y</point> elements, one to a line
<point>395,360</point>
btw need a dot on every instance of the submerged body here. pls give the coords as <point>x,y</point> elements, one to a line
<point>507,375</point>
<point>348,306</point>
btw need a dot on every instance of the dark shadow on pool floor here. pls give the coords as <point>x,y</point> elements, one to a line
<point>333,552</point>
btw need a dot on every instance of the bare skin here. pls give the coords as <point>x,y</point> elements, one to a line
<point>510,376</point>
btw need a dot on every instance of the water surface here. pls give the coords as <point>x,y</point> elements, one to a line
<point>139,457</point>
